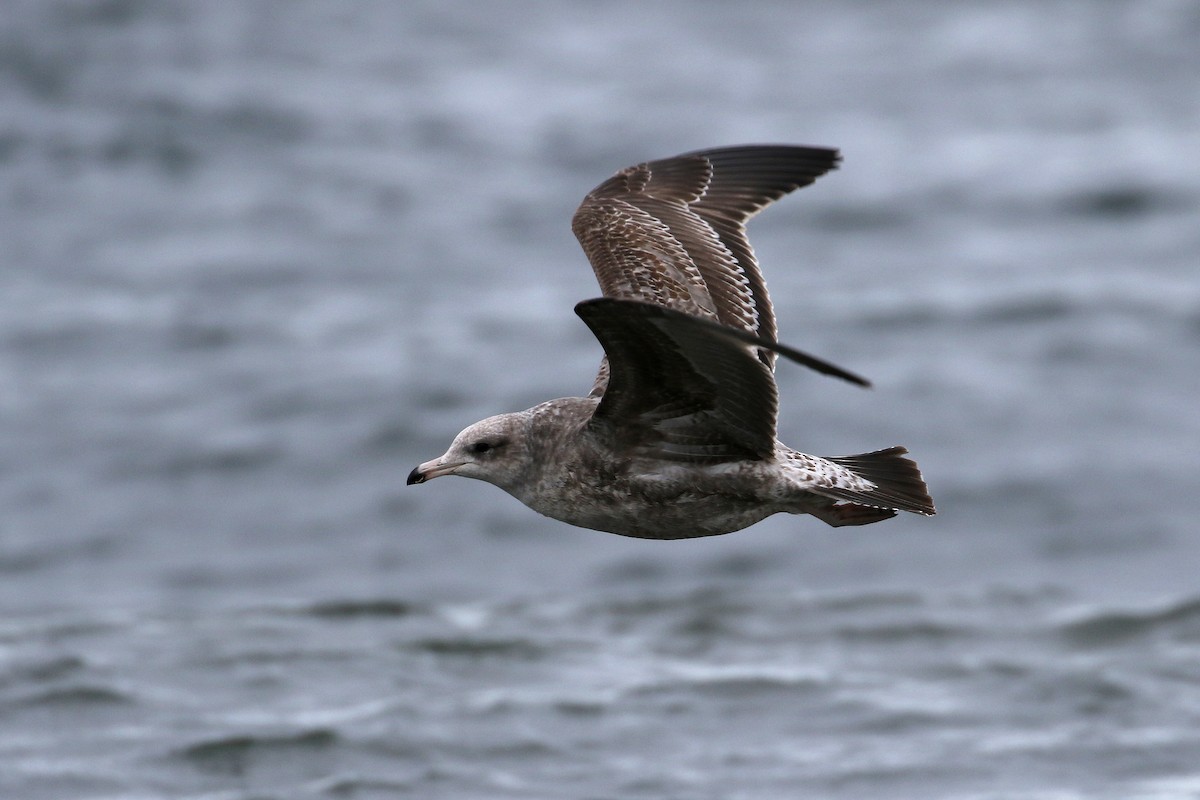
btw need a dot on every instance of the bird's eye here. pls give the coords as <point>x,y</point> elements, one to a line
<point>481,447</point>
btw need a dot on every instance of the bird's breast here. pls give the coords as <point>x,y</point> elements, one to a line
<point>667,502</point>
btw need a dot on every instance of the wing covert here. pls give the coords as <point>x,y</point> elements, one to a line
<point>686,388</point>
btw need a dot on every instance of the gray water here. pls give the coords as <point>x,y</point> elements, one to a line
<point>257,260</point>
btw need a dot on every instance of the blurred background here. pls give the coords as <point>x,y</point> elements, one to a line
<point>259,259</point>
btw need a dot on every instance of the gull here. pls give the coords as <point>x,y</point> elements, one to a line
<point>677,437</point>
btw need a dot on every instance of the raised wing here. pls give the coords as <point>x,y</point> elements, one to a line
<point>673,232</point>
<point>686,388</point>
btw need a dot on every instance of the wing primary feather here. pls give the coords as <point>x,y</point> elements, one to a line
<point>798,356</point>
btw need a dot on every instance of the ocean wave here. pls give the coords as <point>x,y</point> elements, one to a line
<point>1107,627</point>
<point>1118,201</point>
<point>357,609</point>
<point>235,754</point>
<point>41,670</point>
<point>903,630</point>
<point>470,647</point>
<point>73,697</point>
<point>731,680</point>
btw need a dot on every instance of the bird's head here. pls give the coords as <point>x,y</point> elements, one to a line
<point>491,450</point>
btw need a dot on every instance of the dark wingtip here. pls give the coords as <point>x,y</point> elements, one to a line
<point>416,476</point>
<point>819,364</point>
<point>585,308</point>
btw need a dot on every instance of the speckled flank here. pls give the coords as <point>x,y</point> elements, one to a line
<point>815,473</point>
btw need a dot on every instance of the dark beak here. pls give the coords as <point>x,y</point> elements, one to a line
<point>432,469</point>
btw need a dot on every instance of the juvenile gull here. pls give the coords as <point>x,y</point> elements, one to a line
<point>677,437</point>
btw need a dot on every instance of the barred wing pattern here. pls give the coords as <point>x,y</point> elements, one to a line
<point>672,232</point>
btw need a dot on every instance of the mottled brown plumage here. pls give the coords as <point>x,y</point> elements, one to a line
<point>672,232</point>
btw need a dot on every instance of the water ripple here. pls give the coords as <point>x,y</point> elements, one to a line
<point>1103,628</point>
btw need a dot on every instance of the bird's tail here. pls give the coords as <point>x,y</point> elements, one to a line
<point>898,481</point>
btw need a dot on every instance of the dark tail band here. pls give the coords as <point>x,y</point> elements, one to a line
<point>898,481</point>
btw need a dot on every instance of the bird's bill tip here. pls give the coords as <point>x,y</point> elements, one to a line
<point>430,470</point>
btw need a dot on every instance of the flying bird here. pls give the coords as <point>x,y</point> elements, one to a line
<point>677,437</point>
